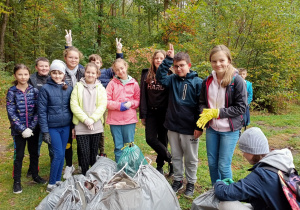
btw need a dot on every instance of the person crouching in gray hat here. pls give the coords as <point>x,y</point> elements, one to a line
<point>262,187</point>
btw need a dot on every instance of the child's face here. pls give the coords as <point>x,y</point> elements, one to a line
<point>159,57</point>
<point>249,157</point>
<point>181,68</point>
<point>90,75</point>
<point>243,74</point>
<point>42,68</point>
<point>219,62</point>
<point>22,76</point>
<point>57,76</point>
<point>98,63</point>
<point>72,59</point>
<point>120,70</point>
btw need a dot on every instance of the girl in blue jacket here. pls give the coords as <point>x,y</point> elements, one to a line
<point>55,118</point>
<point>21,105</point>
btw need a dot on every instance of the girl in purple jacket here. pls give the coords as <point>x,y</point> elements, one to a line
<point>123,98</point>
<point>21,105</point>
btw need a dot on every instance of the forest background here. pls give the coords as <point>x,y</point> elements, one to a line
<point>263,36</point>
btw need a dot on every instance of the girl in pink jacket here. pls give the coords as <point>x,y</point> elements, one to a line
<point>123,98</point>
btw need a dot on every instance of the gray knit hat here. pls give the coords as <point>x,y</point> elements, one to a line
<point>254,141</point>
<point>58,65</point>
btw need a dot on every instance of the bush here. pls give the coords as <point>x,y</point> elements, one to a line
<point>6,80</point>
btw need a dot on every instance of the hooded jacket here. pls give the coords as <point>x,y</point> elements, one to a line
<point>262,187</point>
<point>235,101</point>
<point>22,109</point>
<point>77,102</point>
<point>54,106</point>
<point>118,93</point>
<point>183,103</point>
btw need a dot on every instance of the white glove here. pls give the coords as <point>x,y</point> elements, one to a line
<point>89,122</point>
<point>68,37</point>
<point>27,133</point>
<point>91,127</point>
<point>119,44</point>
<point>127,104</point>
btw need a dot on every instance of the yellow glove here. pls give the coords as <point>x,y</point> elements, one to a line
<point>206,116</point>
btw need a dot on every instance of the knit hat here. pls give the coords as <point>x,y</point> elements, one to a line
<point>254,141</point>
<point>58,65</point>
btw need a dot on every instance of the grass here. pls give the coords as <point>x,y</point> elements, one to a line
<point>281,131</point>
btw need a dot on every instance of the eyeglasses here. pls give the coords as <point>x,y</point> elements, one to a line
<point>180,66</point>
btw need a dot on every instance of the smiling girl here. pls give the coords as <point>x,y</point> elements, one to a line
<point>123,98</point>
<point>88,104</point>
<point>21,105</point>
<point>223,101</point>
<point>153,108</point>
<point>55,118</point>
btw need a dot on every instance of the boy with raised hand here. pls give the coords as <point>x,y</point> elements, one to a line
<point>182,114</point>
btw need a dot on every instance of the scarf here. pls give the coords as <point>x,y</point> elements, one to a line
<point>72,74</point>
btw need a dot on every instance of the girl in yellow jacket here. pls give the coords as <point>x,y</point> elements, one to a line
<point>88,104</point>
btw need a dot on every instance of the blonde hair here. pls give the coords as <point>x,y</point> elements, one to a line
<point>152,70</point>
<point>117,61</point>
<point>71,48</point>
<point>229,71</point>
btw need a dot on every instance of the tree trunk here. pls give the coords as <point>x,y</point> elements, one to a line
<point>123,8</point>
<point>2,33</point>
<point>166,5</point>
<point>100,23</point>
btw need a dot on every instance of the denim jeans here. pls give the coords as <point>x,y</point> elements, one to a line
<point>220,147</point>
<point>59,139</point>
<point>49,147</point>
<point>121,134</point>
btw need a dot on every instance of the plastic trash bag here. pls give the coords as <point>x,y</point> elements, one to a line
<point>157,192</point>
<point>206,201</point>
<point>120,193</point>
<point>102,170</point>
<point>65,196</point>
<point>133,157</point>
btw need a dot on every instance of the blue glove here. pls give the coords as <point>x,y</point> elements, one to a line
<point>123,107</point>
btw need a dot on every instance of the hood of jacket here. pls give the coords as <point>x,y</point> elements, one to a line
<point>83,82</point>
<point>188,76</point>
<point>280,159</point>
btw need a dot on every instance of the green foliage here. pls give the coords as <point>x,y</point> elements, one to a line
<point>6,80</point>
<point>262,35</point>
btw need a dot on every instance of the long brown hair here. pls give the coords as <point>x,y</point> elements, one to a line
<point>152,70</point>
<point>16,68</point>
<point>230,69</point>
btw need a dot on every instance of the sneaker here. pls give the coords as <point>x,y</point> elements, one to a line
<point>17,187</point>
<point>68,172</point>
<point>57,183</point>
<point>177,185</point>
<point>189,191</point>
<point>103,154</point>
<point>160,170</point>
<point>50,187</point>
<point>39,180</point>
<point>29,174</point>
<point>171,170</point>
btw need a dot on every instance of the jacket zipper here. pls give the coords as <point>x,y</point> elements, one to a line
<point>26,108</point>
<point>184,91</point>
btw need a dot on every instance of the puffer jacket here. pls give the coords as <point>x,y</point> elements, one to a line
<point>117,93</point>
<point>77,102</point>
<point>183,107</point>
<point>54,106</point>
<point>22,109</point>
<point>235,101</point>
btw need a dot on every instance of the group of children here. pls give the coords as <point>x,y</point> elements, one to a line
<point>71,102</point>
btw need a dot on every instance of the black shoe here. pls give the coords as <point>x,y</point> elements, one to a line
<point>171,171</point>
<point>17,187</point>
<point>189,191</point>
<point>177,185</point>
<point>29,174</point>
<point>39,180</point>
<point>160,169</point>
